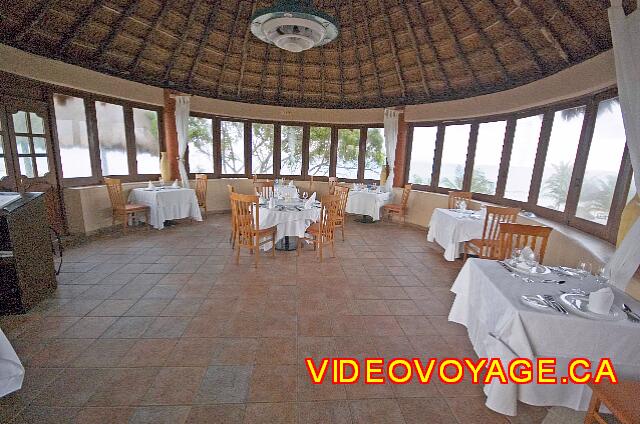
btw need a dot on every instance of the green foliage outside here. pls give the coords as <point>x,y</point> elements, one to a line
<point>479,181</point>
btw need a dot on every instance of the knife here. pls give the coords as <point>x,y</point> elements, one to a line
<point>553,302</point>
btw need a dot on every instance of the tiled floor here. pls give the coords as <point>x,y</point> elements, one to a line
<point>163,327</point>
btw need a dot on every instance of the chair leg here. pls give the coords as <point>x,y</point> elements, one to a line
<point>342,229</point>
<point>237,248</point>
<point>257,247</point>
<point>320,248</point>
<point>125,222</point>
<point>464,252</point>
<point>146,217</point>
<point>299,245</point>
<point>273,245</point>
<point>333,248</point>
<point>592,412</point>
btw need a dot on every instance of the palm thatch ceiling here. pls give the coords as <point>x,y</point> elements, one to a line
<point>389,52</point>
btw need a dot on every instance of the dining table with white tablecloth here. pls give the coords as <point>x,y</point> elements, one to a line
<point>367,202</point>
<point>167,203</point>
<point>290,217</point>
<point>499,325</point>
<point>450,228</point>
<point>11,369</point>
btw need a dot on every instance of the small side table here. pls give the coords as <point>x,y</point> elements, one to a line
<point>621,399</point>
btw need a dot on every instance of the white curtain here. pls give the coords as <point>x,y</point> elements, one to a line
<point>390,141</point>
<point>625,33</point>
<point>182,123</point>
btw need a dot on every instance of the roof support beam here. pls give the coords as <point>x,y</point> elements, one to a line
<point>393,45</point>
<point>203,41</point>
<point>153,28</point>
<point>548,32</point>
<point>531,51</point>
<point>416,48</point>
<point>226,50</point>
<point>117,26</point>
<point>31,21</point>
<point>183,37</point>
<point>74,29</point>
<point>431,43</point>
<point>371,53</point>
<point>457,45</point>
<point>485,39</point>
<point>244,51</point>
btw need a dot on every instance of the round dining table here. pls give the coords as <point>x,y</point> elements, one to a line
<point>291,219</point>
<point>367,203</point>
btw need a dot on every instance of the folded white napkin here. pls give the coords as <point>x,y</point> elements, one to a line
<point>309,203</point>
<point>175,184</point>
<point>150,186</point>
<point>291,183</point>
<point>600,301</point>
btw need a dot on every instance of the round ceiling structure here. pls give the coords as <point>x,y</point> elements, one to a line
<point>324,53</point>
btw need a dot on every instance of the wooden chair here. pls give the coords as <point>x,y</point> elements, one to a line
<point>458,195</point>
<point>343,193</point>
<point>246,212</point>
<point>621,399</point>
<point>201,191</point>
<point>333,182</point>
<point>121,209</point>
<point>323,231</point>
<point>232,236</point>
<point>263,188</point>
<point>489,245</point>
<point>399,209</point>
<point>519,235</point>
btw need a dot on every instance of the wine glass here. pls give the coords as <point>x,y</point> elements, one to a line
<point>602,274</point>
<point>584,268</point>
<point>516,255</point>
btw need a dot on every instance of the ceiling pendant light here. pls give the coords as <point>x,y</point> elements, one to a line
<point>294,26</point>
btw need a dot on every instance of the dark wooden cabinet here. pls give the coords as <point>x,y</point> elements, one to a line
<point>27,273</point>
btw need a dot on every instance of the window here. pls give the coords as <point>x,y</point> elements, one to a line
<point>291,150</point>
<point>232,147</point>
<point>262,148</point>
<point>603,163</point>
<point>422,151</point>
<point>561,153</point>
<point>375,156</point>
<point>73,139</point>
<point>348,150</point>
<point>486,164</point>
<point>523,156</point>
<point>454,156</point>
<point>319,151</point>
<point>112,139</point>
<point>145,128</point>
<point>200,145</point>
<point>30,143</point>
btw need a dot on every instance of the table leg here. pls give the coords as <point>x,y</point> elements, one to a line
<point>287,243</point>
<point>366,219</point>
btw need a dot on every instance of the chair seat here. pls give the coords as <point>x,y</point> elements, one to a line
<point>313,228</point>
<point>135,207</point>
<point>393,207</point>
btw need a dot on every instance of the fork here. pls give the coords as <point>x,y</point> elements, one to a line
<point>633,317</point>
<point>552,301</point>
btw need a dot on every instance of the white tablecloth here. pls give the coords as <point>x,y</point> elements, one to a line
<point>500,326</point>
<point>167,204</point>
<point>450,229</point>
<point>367,203</point>
<point>11,369</point>
<point>289,223</point>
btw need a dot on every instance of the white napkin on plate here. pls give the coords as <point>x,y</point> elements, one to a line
<point>600,301</point>
<point>150,186</point>
<point>309,203</point>
<point>175,184</point>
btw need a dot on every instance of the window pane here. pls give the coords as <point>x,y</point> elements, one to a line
<point>422,152</point>
<point>39,145</point>
<point>200,145</point>
<point>22,142</point>
<point>603,164</point>
<point>232,140</point>
<point>145,127</point>
<point>112,138</point>
<point>262,148</point>
<point>37,123</point>
<point>291,150</point>
<point>454,155</point>
<point>71,123</point>
<point>20,122</point>
<point>375,155</point>
<point>319,151</point>
<point>561,153</point>
<point>348,149</point>
<point>26,166</point>
<point>486,164</point>
<point>523,156</point>
<point>43,165</point>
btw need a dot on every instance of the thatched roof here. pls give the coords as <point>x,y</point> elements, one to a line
<point>389,52</point>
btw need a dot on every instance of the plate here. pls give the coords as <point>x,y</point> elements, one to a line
<point>579,304</point>
<point>534,301</point>
<point>540,269</point>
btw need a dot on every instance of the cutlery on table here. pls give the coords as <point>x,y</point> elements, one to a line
<point>552,301</point>
<point>633,317</point>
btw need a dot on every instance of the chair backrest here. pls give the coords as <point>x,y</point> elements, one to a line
<point>201,188</point>
<point>406,191</point>
<point>231,189</point>
<point>329,214</point>
<point>520,235</point>
<point>263,188</point>
<point>458,195</point>
<point>343,193</point>
<point>494,217</point>
<point>333,182</point>
<point>246,214</point>
<point>114,187</point>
